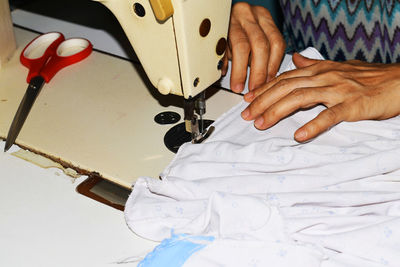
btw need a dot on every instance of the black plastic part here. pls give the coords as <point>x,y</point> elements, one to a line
<point>167,117</point>
<point>177,136</point>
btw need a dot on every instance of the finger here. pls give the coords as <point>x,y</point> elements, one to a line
<point>280,81</point>
<point>325,120</point>
<point>240,49</point>
<point>301,61</point>
<point>275,39</point>
<point>224,69</point>
<point>277,52</point>
<point>297,99</point>
<point>323,66</point>
<point>277,46</point>
<point>260,50</point>
<point>274,94</point>
<point>225,61</point>
<point>363,65</point>
<point>319,73</point>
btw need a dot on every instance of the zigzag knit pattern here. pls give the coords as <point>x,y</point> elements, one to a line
<point>367,30</point>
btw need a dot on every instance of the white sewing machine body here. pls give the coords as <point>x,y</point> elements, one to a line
<point>180,43</point>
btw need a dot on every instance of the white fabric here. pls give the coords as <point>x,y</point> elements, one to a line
<point>270,201</point>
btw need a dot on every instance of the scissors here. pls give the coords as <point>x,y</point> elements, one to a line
<point>44,56</point>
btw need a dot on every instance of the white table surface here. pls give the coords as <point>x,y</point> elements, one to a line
<point>44,222</point>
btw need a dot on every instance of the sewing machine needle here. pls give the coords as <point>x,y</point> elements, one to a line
<point>201,124</point>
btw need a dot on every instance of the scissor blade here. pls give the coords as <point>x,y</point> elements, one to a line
<point>23,110</point>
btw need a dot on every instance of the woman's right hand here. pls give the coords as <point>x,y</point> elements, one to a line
<point>254,40</point>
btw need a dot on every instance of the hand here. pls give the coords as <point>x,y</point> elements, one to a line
<point>255,39</point>
<point>351,91</point>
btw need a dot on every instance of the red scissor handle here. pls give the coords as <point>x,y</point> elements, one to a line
<point>68,52</point>
<point>37,52</point>
<point>57,55</point>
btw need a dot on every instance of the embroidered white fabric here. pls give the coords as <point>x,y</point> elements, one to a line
<point>270,201</point>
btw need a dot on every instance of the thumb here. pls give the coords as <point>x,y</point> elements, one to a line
<point>301,61</point>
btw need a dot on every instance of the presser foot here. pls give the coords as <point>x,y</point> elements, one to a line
<point>193,125</point>
<point>202,137</point>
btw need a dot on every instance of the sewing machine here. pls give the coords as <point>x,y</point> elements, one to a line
<point>106,107</point>
<point>180,45</point>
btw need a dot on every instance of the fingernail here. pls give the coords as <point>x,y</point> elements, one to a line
<point>259,122</point>
<point>249,96</point>
<point>245,114</point>
<point>238,88</point>
<point>300,135</point>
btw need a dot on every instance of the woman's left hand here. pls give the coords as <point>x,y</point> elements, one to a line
<point>351,91</point>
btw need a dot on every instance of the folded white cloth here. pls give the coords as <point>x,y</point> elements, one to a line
<point>267,200</point>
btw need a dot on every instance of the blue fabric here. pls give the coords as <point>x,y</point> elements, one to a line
<point>174,251</point>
